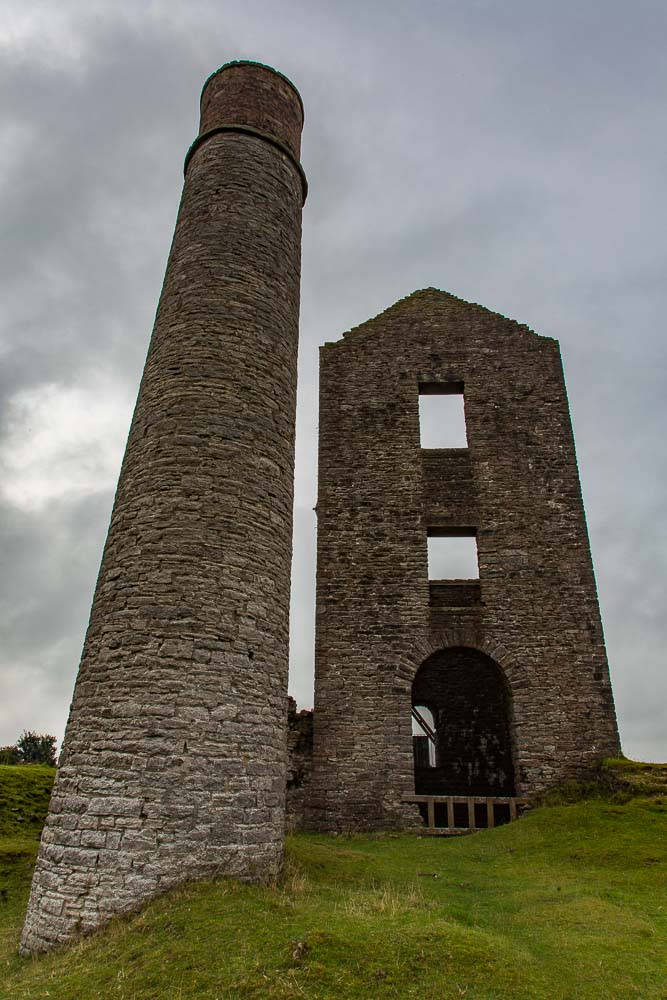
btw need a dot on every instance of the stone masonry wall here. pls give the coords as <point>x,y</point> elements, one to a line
<point>174,759</point>
<point>299,763</point>
<point>536,612</point>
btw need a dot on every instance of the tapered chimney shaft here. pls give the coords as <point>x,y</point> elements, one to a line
<point>173,763</point>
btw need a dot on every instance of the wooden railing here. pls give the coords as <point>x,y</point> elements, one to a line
<point>512,807</point>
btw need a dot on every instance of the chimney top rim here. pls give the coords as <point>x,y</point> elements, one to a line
<point>252,62</point>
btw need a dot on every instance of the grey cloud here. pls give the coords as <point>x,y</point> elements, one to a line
<point>512,154</point>
<point>49,564</point>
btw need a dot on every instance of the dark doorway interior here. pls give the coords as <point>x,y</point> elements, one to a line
<point>465,692</point>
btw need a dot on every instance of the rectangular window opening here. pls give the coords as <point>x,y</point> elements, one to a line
<point>442,422</point>
<point>452,556</point>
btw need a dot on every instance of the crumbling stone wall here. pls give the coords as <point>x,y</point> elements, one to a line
<point>299,763</point>
<point>174,759</point>
<point>534,610</point>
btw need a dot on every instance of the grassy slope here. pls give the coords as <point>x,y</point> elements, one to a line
<point>568,903</point>
<point>24,798</point>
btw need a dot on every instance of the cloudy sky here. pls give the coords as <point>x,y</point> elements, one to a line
<point>513,153</point>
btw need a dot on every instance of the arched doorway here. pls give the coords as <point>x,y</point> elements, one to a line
<point>467,723</point>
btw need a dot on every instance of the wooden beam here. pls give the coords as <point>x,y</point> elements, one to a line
<point>421,721</point>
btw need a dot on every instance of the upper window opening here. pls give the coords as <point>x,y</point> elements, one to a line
<point>452,555</point>
<point>442,422</point>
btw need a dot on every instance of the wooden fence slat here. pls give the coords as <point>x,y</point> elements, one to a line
<point>468,800</point>
<point>498,799</point>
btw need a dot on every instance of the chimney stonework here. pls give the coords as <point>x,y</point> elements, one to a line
<point>174,759</point>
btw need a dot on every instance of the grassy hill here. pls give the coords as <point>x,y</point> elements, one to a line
<point>570,903</point>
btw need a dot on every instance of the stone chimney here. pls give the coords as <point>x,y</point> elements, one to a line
<point>174,759</point>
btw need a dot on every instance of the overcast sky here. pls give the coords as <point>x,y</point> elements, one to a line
<point>513,153</point>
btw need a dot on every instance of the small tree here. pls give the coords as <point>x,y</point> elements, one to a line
<point>33,748</point>
<point>9,755</point>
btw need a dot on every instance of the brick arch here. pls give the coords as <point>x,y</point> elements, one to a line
<point>515,674</point>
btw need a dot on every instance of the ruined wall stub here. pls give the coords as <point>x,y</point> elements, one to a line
<point>299,764</point>
<point>534,612</point>
<point>173,763</point>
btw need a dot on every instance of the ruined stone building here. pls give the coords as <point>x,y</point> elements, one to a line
<point>510,665</point>
<point>174,763</point>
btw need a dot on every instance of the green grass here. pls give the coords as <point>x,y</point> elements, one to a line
<point>567,904</point>
<point>24,799</point>
<point>618,780</point>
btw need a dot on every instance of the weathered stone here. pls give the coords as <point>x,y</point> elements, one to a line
<point>533,614</point>
<point>186,651</point>
<point>299,763</point>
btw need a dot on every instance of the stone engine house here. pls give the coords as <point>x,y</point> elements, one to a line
<point>175,759</point>
<point>506,672</point>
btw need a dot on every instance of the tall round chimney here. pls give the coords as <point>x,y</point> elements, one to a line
<point>173,764</point>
